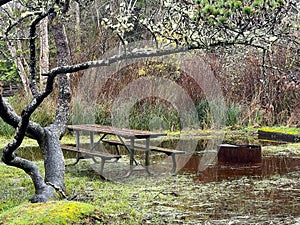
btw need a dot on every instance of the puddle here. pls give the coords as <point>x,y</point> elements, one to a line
<point>269,166</point>
<point>238,199</point>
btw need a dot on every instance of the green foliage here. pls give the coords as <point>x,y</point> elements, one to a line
<point>258,2</point>
<point>223,10</point>
<point>51,213</point>
<point>5,129</point>
<point>222,19</point>
<point>102,113</point>
<point>282,129</point>
<point>8,70</point>
<point>157,115</point>
<point>154,116</point>
<point>204,115</point>
<point>44,115</point>
<point>247,10</point>
<point>97,113</point>
<point>82,114</point>
<point>233,113</point>
<point>238,4</point>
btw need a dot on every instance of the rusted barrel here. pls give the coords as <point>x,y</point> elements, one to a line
<point>239,154</point>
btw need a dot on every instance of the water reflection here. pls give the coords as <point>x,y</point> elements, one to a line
<point>211,171</point>
<point>270,165</point>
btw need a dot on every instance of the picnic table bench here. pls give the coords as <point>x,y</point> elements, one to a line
<point>87,153</point>
<point>167,151</point>
<point>126,138</point>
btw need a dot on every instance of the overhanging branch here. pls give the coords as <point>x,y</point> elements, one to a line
<point>139,53</point>
<point>135,53</point>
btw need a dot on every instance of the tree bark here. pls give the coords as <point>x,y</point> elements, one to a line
<point>77,27</point>
<point>53,159</point>
<point>44,51</point>
<point>64,90</point>
<point>48,137</point>
<point>43,191</point>
<point>18,61</point>
<point>50,143</point>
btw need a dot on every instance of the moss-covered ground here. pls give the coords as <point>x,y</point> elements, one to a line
<point>176,199</point>
<point>164,199</point>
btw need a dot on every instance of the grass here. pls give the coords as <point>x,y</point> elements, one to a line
<point>288,149</point>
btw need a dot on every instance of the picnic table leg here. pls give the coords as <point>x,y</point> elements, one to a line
<point>129,149</point>
<point>131,153</point>
<point>92,146</point>
<point>78,155</point>
<point>174,164</point>
<point>147,152</point>
<point>131,156</point>
<point>102,166</point>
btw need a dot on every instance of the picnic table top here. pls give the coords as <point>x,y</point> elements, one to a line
<point>122,132</point>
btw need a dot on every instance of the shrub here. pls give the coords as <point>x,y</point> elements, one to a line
<point>155,115</point>
<point>204,115</point>
<point>5,129</point>
<point>44,115</point>
<point>102,114</point>
<point>81,113</point>
<point>232,115</point>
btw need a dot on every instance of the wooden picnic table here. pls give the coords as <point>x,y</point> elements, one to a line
<point>125,137</point>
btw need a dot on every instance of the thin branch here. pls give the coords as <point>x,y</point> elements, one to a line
<point>32,62</point>
<point>21,19</point>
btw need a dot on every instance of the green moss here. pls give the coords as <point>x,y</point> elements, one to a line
<point>238,4</point>
<point>285,130</point>
<point>145,200</point>
<point>289,149</point>
<point>247,10</point>
<point>60,212</point>
<point>258,3</point>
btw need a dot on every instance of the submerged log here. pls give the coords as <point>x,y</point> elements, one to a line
<point>278,136</point>
<point>239,154</point>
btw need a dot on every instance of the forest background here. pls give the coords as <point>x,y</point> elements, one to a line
<point>259,89</point>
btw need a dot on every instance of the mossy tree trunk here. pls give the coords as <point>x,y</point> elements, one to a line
<point>48,137</point>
